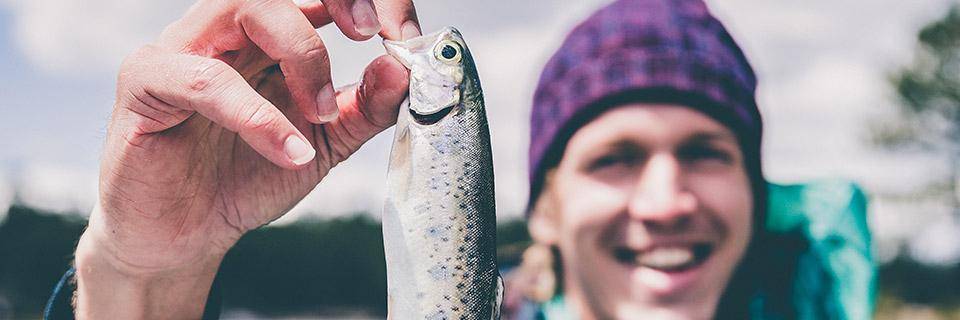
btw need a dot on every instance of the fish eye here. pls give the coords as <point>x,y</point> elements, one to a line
<point>448,51</point>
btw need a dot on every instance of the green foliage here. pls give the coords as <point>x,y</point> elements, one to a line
<point>942,35</point>
<point>36,248</point>
<point>512,239</point>
<point>320,266</point>
<point>929,90</point>
<point>307,267</point>
<point>330,266</point>
<point>913,282</point>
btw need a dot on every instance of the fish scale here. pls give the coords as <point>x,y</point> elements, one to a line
<point>439,221</point>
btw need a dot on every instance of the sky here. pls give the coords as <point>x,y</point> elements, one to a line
<point>823,68</point>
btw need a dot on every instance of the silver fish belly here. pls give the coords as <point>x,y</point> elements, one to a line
<point>439,221</point>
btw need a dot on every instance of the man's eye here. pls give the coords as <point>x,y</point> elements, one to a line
<point>700,153</point>
<point>610,160</point>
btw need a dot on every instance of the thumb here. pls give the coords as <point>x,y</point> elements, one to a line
<point>367,108</point>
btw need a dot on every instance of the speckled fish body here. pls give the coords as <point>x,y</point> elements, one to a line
<point>439,222</point>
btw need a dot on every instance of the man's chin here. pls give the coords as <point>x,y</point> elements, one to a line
<point>630,288</point>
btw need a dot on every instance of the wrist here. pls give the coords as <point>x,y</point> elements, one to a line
<point>136,251</point>
<point>109,286</point>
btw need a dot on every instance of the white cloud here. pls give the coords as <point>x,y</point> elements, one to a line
<point>6,196</point>
<point>56,187</point>
<point>79,36</point>
<point>936,243</point>
<point>907,217</point>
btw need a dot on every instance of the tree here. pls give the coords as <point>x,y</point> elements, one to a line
<point>929,92</point>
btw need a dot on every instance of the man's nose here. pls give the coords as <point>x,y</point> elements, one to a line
<point>659,199</point>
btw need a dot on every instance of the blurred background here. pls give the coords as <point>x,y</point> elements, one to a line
<point>866,91</point>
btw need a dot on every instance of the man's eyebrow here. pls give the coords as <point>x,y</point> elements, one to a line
<point>704,137</point>
<point>622,144</point>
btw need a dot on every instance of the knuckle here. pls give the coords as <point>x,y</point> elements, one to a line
<point>261,117</point>
<point>309,48</point>
<point>258,3</point>
<point>133,64</point>
<point>142,53</point>
<point>204,77</point>
<point>254,7</point>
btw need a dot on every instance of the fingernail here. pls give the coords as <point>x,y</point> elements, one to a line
<point>409,30</point>
<point>365,18</point>
<point>298,150</point>
<point>327,104</point>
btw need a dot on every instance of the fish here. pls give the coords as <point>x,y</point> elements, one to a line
<point>439,216</point>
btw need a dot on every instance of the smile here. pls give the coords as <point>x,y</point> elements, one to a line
<point>665,258</point>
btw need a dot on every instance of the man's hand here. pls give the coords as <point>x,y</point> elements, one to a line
<point>220,127</point>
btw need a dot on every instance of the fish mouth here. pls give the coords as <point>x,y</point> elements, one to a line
<point>428,119</point>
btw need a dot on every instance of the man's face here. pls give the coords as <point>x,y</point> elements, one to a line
<point>651,209</point>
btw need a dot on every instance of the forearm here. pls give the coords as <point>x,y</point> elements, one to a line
<point>108,288</point>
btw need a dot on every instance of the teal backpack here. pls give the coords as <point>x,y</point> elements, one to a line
<point>836,276</point>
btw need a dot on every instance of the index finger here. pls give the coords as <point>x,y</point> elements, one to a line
<point>398,18</point>
<point>361,19</point>
<point>286,34</point>
<point>316,12</point>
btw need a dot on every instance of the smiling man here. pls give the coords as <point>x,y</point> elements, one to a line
<point>647,198</point>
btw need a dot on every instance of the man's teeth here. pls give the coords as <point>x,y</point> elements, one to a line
<point>666,258</point>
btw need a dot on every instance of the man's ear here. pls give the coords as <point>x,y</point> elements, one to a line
<point>544,223</point>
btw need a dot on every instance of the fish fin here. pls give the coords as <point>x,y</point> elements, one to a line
<point>498,301</point>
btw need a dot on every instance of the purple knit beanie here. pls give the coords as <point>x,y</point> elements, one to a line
<point>651,51</point>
